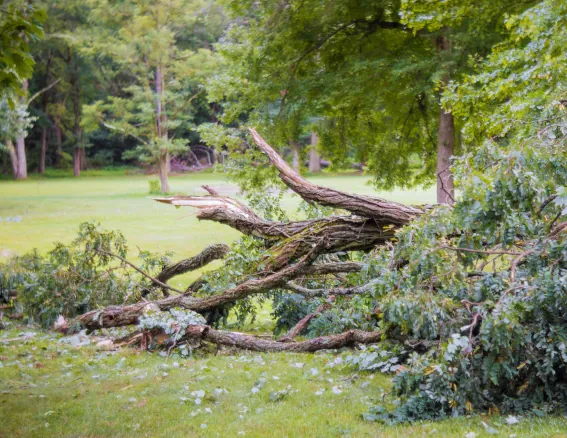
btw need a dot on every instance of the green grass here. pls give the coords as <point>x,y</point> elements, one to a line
<point>51,209</point>
<point>48,388</point>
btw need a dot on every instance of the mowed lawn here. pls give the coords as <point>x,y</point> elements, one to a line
<point>49,387</point>
<point>38,212</point>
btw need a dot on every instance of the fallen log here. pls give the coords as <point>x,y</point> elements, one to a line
<point>247,342</point>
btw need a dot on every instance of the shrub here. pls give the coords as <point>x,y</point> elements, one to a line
<point>155,186</point>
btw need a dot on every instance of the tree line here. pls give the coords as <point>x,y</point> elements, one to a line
<point>389,85</point>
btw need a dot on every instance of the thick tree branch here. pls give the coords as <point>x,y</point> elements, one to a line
<point>210,253</point>
<point>246,342</point>
<point>383,211</point>
<point>115,316</point>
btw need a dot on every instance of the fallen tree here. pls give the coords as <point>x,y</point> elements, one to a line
<point>292,246</point>
<point>474,294</point>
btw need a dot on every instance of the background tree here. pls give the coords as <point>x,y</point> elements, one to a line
<point>374,70</point>
<point>146,41</point>
<point>20,24</point>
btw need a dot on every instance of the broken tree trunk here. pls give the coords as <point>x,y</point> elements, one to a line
<point>381,210</point>
<point>292,250</point>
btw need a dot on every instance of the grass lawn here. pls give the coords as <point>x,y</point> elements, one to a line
<point>51,209</point>
<point>49,387</point>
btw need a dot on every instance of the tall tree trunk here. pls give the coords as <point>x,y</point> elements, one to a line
<point>445,141</point>
<point>295,158</point>
<point>445,148</point>
<point>13,157</point>
<point>77,131</point>
<point>43,150</point>
<point>45,103</point>
<point>22,162</point>
<point>77,162</point>
<point>314,158</point>
<point>163,178</point>
<point>22,172</point>
<point>161,116</point>
<point>59,139</point>
<point>215,157</point>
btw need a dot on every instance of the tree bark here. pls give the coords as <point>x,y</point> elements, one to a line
<point>22,172</point>
<point>383,211</point>
<point>445,140</point>
<point>45,103</point>
<point>43,150</point>
<point>314,158</point>
<point>114,316</point>
<point>163,178</point>
<point>247,342</point>
<point>210,253</point>
<point>13,157</point>
<point>339,233</point>
<point>22,162</point>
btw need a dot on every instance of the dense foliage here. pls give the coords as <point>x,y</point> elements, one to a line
<point>485,285</point>
<point>75,278</point>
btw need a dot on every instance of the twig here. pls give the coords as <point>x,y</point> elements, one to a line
<point>155,280</point>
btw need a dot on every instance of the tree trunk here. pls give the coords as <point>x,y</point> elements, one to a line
<point>13,157</point>
<point>77,162</point>
<point>445,139</point>
<point>59,138</point>
<point>445,148</point>
<point>383,211</point>
<point>215,158</point>
<point>22,172</point>
<point>295,159</point>
<point>43,150</point>
<point>163,179</point>
<point>45,103</point>
<point>314,158</point>
<point>22,162</point>
<point>75,85</point>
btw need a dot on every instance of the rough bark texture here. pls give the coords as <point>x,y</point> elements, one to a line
<point>210,253</point>
<point>115,316</point>
<point>445,142</point>
<point>292,250</point>
<point>246,342</point>
<point>339,233</point>
<point>383,211</point>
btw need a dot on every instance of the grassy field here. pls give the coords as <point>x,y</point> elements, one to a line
<point>48,387</point>
<point>38,212</point>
